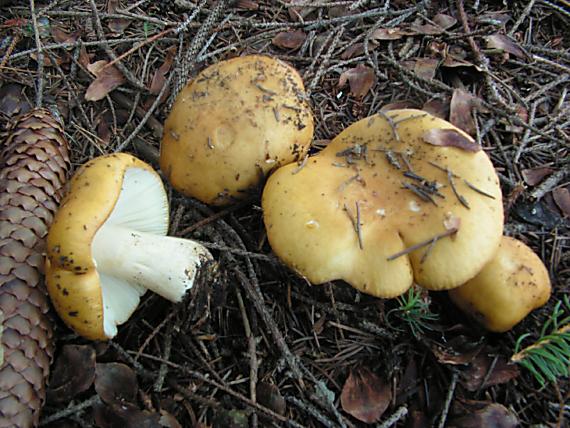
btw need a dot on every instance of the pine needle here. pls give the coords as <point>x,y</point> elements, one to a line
<point>414,310</point>
<point>549,357</point>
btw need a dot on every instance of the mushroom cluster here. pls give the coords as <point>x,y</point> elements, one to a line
<point>107,246</point>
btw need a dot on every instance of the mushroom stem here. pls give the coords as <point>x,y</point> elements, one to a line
<point>162,264</point>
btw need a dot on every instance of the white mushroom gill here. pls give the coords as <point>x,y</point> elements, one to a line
<point>132,253</point>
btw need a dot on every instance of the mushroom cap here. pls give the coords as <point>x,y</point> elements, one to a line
<point>311,213</point>
<point>507,289</point>
<point>232,124</point>
<point>73,282</point>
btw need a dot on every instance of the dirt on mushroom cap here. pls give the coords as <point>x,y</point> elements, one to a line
<point>236,121</point>
<point>378,189</point>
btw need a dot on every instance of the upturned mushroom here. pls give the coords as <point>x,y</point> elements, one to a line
<point>232,124</point>
<point>395,198</point>
<point>107,246</point>
<point>507,289</point>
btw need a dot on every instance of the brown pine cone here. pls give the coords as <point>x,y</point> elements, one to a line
<point>33,167</point>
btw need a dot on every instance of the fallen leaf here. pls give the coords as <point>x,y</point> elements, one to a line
<point>426,29</point>
<point>355,50</point>
<point>73,373</point>
<point>460,350</point>
<point>116,25</point>
<point>268,395</point>
<point>478,371</point>
<point>96,67</point>
<point>505,44</point>
<point>360,78</point>
<point>437,107</point>
<point>450,138</point>
<point>460,110</point>
<point>84,57</point>
<point>115,383</point>
<point>395,33</point>
<point>479,414</point>
<point>426,67</point>
<point>247,5</point>
<point>398,105</point>
<point>108,78</point>
<point>60,36</point>
<point>159,77</point>
<point>561,196</point>
<point>124,415</point>
<point>289,39</point>
<point>300,13</point>
<point>12,100</point>
<point>365,396</point>
<point>444,21</point>
<point>533,176</point>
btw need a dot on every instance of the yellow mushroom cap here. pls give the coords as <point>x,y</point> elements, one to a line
<point>353,208</point>
<point>106,246</point>
<point>507,289</point>
<point>232,124</point>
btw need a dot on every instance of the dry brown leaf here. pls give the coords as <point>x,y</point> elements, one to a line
<point>450,138</point>
<point>116,383</point>
<point>247,5</point>
<point>289,39</point>
<point>365,396</point>
<point>73,373</point>
<point>444,21</point>
<point>360,78</point>
<point>354,50</point>
<point>533,176</point>
<point>477,372</point>
<point>12,99</point>
<point>479,414</point>
<point>60,36</point>
<point>460,110</point>
<point>426,67</point>
<point>505,44</point>
<point>116,25</point>
<point>268,395</point>
<point>426,29</point>
<point>561,196</point>
<point>398,105</point>
<point>159,77</point>
<point>108,78</point>
<point>395,33</point>
<point>437,107</point>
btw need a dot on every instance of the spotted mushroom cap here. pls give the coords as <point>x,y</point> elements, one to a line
<point>73,283</point>
<point>232,124</point>
<point>395,198</point>
<point>507,289</point>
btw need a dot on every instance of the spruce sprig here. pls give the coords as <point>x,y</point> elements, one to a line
<point>414,310</point>
<point>549,357</point>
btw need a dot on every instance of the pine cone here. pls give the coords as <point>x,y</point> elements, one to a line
<point>33,166</point>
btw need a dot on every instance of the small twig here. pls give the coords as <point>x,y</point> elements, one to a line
<point>391,124</point>
<point>455,192</point>
<point>549,184</point>
<point>71,410</point>
<point>355,225</point>
<point>39,58</point>
<point>419,245</point>
<point>301,165</point>
<point>481,192</point>
<point>520,20</point>
<point>448,399</point>
<point>394,418</point>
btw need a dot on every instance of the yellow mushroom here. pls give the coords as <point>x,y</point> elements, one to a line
<point>106,246</point>
<point>507,289</point>
<point>236,121</point>
<point>395,198</point>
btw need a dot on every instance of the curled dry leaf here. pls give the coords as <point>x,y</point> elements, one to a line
<point>159,77</point>
<point>360,78</point>
<point>533,176</point>
<point>450,138</point>
<point>268,395</point>
<point>354,50</point>
<point>73,373</point>
<point>107,79</point>
<point>476,414</point>
<point>12,100</point>
<point>444,21</point>
<point>426,67</point>
<point>460,110</point>
<point>426,29</point>
<point>561,197</point>
<point>505,44</point>
<point>437,107</point>
<point>365,396</point>
<point>492,370</point>
<point>61,36</point>
<point>115,383</point>
<point>125,415</point>
<point>289,39</point>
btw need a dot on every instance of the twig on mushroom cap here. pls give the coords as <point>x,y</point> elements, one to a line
<point>355,222</point>
<point>455,192</point>
<point>419,245</point>
<point>481,192</point>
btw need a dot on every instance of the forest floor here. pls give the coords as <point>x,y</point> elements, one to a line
<point>267,348</point>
